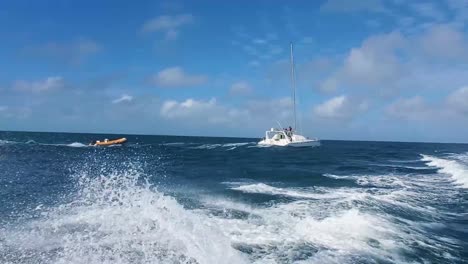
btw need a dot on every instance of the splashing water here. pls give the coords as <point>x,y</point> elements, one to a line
<point>457,170</point>
<point>116,220</point>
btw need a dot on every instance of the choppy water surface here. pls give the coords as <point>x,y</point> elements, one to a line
<point>224,200</point>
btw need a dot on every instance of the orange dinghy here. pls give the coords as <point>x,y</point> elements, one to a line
<point>107,142</point>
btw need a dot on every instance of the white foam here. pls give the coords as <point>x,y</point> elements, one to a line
<point>339,225</point>
<point>345,197</point>
<point>285,230</point>
<point>340,177</point>
<point>115,220</point>
<point>457,170</point>
<point>31,142</point>
<point>386,180</point>
<point>230,146</point>
<point>3,142</point>
<point>207,146</point>
<point>77,145</point>
<point>262,188</point>
<point>403,166</point>
<point>175,144</point>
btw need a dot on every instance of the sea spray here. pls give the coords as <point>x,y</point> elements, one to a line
<point>116,219</point>
<point>454,168</point>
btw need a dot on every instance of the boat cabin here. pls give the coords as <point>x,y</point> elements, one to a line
<point>276,134</point>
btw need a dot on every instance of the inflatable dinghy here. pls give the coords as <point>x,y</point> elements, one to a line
<point>107,142</point>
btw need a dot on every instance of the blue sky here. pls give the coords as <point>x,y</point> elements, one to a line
<point>367,70</point>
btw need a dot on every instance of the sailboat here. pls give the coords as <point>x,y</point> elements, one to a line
<point>288,137</point>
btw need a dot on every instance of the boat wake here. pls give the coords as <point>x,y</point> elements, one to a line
<point>32,142</point>
<point>378,219</point>
<point>226,146</point>
<point>331,225</point>
<point>116,216</point>
<point>454,167</point>
<point>309,193</point>
<point>115,219</point>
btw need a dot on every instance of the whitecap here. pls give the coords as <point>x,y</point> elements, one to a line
<point>457,170</point>
<point>114,219</point>
<point>77,145</point>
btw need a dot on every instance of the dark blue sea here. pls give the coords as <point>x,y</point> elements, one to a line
<point>167,199</point>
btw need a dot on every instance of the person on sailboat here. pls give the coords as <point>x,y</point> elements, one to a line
<point>288,133</point>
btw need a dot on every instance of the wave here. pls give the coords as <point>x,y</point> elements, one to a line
<point>262,188</point>
<point>404,198</point>
<point>368,223</point>
<point>340,177</point>
<point>316,193</point>
<point>176,144</point>
<point>33,142</point>
<point>317,232</point>
<point>403,166</point>
<point>230,146</point>
<point>73,145</point>
<point>77,145</point>
<point>457,170</point>
<point>116,219</point>
<point>385,181</point>
<point>5,142</point>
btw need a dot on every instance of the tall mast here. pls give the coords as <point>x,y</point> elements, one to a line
<point>293,84</point>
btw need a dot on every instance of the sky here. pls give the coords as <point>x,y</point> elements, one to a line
<point>388,70</point>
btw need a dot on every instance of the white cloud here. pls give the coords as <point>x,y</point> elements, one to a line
<point>259,41</point>
<point>275,50</point>
<point>86,47</point>
<point>74,52</point>
<point>460,9</point>
<point>199,111</point>
<point>273,109</point>
<point>329,85</point>
<point>385,64</point>
<point>250,50</point>
<point>339,107</point>
<point>458,100</point>
<point>454,106</point>
<point>307,40</point>
<point>414,108</point>
<point>373,23</point>
<point>123,98</point>
<point>444,42</point>
<point>353,6</point>
<point>174,109</point>
<point>46,85</point>
<point>405,22</point>
<point>240,88</point>
<point>15,112</point>
<point>259,113</point>
<point>375,61</point>
<point>254,63</point>
<point>169,25</point>
<point>177,77</point>
<point>272,36</point>
<point>375,64</point>
<point>270,110</point>
<point>428,10</point>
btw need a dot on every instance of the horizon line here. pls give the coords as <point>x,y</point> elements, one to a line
<point>162,135</point>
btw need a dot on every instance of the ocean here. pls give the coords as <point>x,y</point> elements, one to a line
<point>169,199</point>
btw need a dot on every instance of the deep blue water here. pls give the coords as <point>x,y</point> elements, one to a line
<point>164,199</point>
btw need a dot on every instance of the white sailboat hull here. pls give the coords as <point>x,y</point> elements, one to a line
<point>287,143</point>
